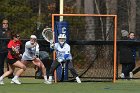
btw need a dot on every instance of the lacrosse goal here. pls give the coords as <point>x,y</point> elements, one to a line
<point>93,45</point>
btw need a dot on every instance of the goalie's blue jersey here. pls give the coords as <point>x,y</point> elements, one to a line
<point>61,51</point>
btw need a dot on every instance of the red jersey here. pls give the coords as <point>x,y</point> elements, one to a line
<point>14,44</point>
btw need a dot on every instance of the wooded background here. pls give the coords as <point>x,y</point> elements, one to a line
<point>29,16</point>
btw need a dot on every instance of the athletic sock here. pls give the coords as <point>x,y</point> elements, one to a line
<point>45,77</point>
<point>1,78</point>
<point>50,78</point>
<point>15,77</point>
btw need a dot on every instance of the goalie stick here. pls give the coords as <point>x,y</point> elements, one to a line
<point>63,65</point>
<point>48,35</point>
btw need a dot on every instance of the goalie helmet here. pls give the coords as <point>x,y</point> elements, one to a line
<point>62,38</point>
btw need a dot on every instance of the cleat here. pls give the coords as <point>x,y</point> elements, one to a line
<point>47,82</point>
<point>78,80</point>
<point>122,75</point>
<point>1,82</point>
<point>16,81</point>
<point>12,82</point>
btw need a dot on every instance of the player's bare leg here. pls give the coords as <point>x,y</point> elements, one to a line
<point>39,63</point>
<point>19,72</point>
<point>11,69</point>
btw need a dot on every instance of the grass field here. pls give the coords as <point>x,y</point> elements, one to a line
<point>30,85</point>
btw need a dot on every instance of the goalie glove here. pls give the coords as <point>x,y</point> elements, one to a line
<point>66,56</point>
<point>60,60</point>
<point>52,45</point>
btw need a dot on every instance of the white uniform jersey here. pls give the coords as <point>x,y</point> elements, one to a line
<point>61,51</point>
<point>30,51</point>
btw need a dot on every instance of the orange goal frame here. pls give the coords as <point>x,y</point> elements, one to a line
<point>95,15</point>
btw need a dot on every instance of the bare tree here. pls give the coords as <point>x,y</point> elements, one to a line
<point>132,15</point>
<point>90,29</point>
<point>78,6</point>
<point>89,9</point>
<point>98,11</point>
<point>111,8</point>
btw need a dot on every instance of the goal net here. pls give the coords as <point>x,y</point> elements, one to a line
<point>93,45</point>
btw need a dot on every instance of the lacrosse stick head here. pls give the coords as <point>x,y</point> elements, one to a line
<point>48,34</point>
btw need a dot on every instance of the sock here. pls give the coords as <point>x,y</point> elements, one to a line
<point>50,78</point>
<point>78,79</point>
<point>1,78</point>
<point>15,77</point>
<point>45,77</point>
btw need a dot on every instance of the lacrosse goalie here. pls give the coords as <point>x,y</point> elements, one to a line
<point>63,55</point>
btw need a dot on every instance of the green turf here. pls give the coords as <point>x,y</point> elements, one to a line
<point>30,85</point>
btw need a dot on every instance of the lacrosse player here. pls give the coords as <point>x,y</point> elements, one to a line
<point>62,55</point>
<point>31,54</point>
<point>13,60</point>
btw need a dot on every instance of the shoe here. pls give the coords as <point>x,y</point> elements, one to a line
<point>130,74</point>
<point>47,82</point>
<point>78,80</point>
<point>122,75</point>
<point>16,81</point>
<point>1,82</point>
<point>12,82</point>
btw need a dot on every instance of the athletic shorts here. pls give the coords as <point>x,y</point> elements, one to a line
<point>11,61</point>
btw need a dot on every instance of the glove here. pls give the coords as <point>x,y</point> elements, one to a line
<point>20,55</point>
<point>51,45</point>
<point>37,54</point>
<point>34,57</point>
<point>66,56</point>
<point>60,60</point>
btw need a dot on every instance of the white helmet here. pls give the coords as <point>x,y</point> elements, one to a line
<point>62,38</point>
<point>33,39</point>
<point>33,36</point>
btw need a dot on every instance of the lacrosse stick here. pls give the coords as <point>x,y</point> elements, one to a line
<point>63,65</point>
<point>48,35</point>
<point>16,52</point>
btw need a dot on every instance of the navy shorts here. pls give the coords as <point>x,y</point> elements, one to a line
<point>11,61</point>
